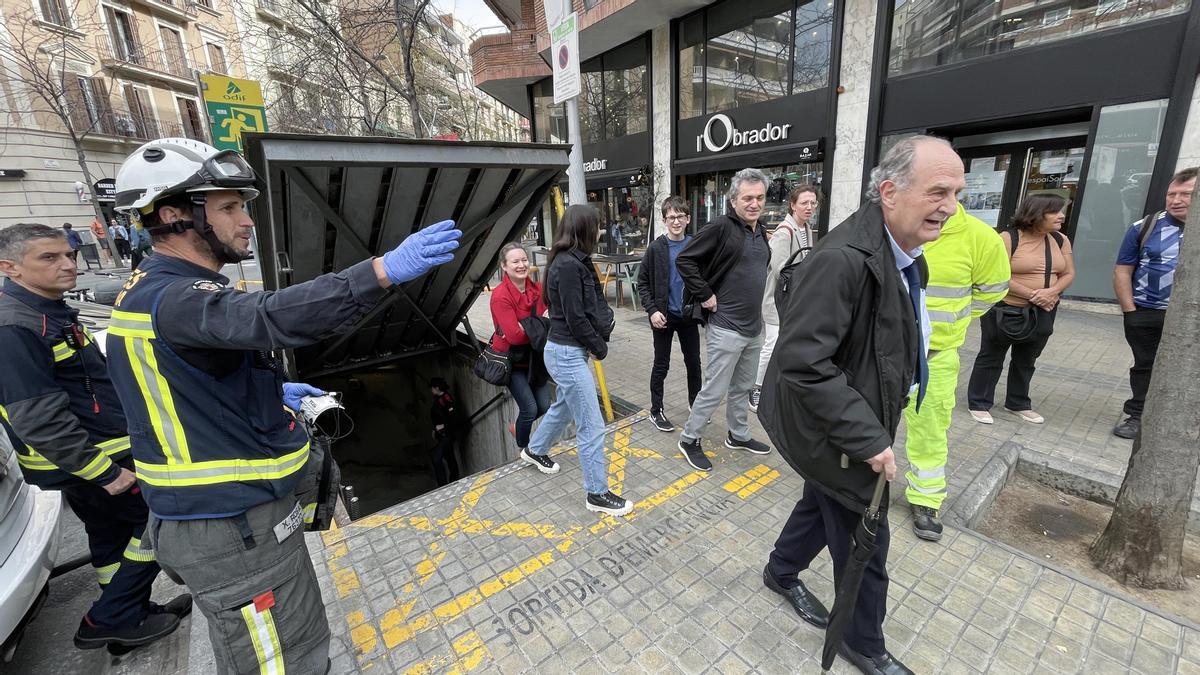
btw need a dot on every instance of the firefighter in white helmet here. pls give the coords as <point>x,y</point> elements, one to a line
<point>217,454</point>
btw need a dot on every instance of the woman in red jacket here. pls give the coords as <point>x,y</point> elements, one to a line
<point>518,297</point>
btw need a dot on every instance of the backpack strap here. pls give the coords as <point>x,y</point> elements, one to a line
<point>1014,236</point>
<point>1148,224</point>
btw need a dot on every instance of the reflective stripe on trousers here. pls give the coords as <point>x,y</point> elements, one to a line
<point>926,443</point>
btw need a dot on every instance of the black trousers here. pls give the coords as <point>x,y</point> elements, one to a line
<point>689,344</point>
<point>122,247</point>
<point>445,463</point>
<point>820,521</point>
<point>993,347</point>
<point>1143,332</point>
<point>126,567</point>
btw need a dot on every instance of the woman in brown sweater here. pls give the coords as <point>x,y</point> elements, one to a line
<point>1036,227</point>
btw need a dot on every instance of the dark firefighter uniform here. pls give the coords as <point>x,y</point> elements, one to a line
<point>63,417</point>
<point>218,456</point>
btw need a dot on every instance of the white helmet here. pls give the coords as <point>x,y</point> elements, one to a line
<point>173,166</point>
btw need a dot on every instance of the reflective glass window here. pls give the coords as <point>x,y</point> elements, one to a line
<point>614,100</point>
<point>930,33</point>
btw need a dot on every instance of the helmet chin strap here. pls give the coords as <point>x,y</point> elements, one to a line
<point>224,253</point>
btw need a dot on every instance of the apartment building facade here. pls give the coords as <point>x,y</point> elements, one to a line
<point>1096,100</point>
<point>90,81</point>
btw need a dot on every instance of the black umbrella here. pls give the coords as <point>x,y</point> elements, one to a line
<point>862,547</point>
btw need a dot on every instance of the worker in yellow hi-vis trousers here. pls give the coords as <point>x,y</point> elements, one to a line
<point>968,273</point>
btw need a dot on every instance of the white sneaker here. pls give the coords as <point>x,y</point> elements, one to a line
<point>982,416</point>
<point>1028,415</point>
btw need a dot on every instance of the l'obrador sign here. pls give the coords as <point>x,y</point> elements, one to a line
<point>720,134</point>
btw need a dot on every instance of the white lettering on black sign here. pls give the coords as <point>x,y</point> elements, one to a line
<point>734,137</point>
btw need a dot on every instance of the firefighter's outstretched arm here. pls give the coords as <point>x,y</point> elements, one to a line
<point>202,314</point>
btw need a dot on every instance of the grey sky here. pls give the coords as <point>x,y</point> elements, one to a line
<point>473,13</point>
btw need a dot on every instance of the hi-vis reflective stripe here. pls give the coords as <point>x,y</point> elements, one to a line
<point>949,317</point>
<point>310,513</point>
<point>261,626</point>
<point>159,403</point>
<point>105,574</point>
<point>131,324</point>
<point>64,351</point>
<point>221,470</point>
<point>134,551</point>
<point>947,291</point>
<point>992,288</point>
<point>36,462</point>
<point>927,474</point>
<point>95,468</point>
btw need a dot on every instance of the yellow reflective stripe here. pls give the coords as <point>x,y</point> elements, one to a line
<point>159,403</point>
<point>95,468</point>
<point>62,352</point>
<point>221,470</point>
<point>1001,287</point>
<point>35,462</point>
<point>131,325</point>
<point>933,291</point>
<point>135,552</point>
<point>310,513</point>
<point>261,626</point>
<point>105,574</point>
<point>114,445</point>
<point>949,317</point>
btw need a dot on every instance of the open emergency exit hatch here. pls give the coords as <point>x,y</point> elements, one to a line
<point>330,202</point>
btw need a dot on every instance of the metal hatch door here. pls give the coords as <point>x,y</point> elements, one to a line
<point>333,201</point>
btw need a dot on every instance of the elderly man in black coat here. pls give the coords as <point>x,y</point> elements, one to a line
<point>852,345</point>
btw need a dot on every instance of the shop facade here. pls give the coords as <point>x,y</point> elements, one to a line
<point>1094,100</point>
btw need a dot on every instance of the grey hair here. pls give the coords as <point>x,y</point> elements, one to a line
<point>745,176</point>
<point>897,164</point>
<point>14,240</point>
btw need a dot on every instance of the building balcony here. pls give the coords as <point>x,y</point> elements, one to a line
<point>144,64</point>
<point>504,64</point>
<point>115,124</point>
<point>179,10</point>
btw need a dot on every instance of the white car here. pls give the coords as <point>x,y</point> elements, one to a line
<point>29,522</point>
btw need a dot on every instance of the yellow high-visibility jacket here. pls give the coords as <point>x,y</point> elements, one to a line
<point>968,274</point>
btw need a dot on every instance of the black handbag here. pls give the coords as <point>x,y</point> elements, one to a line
<point>493,367</point>
<point>1020,324</point>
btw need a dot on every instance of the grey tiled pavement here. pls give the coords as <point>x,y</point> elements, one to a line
<point>505,571</point>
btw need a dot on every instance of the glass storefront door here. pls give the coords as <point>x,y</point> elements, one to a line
<point>999,177</point>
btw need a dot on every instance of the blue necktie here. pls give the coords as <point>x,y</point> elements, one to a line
<point>914,293</point>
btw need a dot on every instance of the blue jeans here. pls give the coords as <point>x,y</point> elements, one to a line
<point>532,403</point>
<point>576,401</point>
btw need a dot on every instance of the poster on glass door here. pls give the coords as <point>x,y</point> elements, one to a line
<point>984,190</point>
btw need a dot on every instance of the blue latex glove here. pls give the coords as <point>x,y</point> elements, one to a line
<point>421,252</point>
<point>294,391</point>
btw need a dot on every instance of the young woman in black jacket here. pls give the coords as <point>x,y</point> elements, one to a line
<point>580,324</point>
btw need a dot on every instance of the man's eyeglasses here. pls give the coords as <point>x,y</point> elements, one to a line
<point>677,218</point>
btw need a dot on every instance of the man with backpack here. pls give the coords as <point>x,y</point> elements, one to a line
<point>1142,280</point>
<point>968,274</point>
<point>792,240</point>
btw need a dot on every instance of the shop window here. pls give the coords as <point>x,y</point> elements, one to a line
<point>731,56</point>
<point>614,100</point>
<point>706,192</point>
<point>939,32</point>
<point>1114,194</point>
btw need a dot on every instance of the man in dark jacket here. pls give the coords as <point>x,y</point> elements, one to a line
<point>449,424</point>
<point>725,269</point>
<point>661,289</point>
<point>852,345</point>
<point>59,409</point>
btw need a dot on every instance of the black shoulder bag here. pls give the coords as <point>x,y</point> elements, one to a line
<point>492,366</point>
<point>1020,324</point>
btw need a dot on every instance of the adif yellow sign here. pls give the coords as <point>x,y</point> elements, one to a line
<point>234,106</point>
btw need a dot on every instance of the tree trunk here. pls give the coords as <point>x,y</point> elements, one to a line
<point>1143,542</point>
